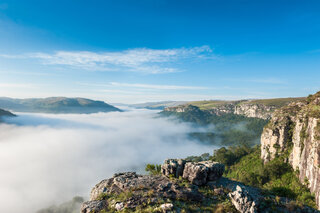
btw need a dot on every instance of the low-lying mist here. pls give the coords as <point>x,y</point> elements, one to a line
<point>47,159</point>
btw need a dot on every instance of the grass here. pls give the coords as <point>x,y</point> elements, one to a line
<point>276,102</point>
<point>275,177</point>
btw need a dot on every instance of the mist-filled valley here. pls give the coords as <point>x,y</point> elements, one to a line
<point>48,159</point>
<point>159,106</point>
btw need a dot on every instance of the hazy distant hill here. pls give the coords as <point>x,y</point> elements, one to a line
<point>56,105</point>
<point>260,108</point>
<point>5,113</point>
<point>158,105</point>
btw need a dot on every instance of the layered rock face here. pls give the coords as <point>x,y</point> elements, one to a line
<point>294,132</point>
<point>246,108</point>
<point>254,110</point>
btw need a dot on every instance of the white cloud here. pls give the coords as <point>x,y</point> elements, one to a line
<point>155,86</point>
<point>138,60</point>
<point>48,159</point>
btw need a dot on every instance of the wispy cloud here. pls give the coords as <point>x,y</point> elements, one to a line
<point>156,86</point>
<point>9,85</point>
<point>138,60</point>
<point>121,85</point>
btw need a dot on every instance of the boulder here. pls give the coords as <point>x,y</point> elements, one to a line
<point>215,170</point>
<point>173,167</point>
<point>243,201</point>
<point>202,172</point>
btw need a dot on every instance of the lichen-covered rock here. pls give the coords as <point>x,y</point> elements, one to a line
<point>243,201</point>
<point>201,172</point>
<point>143,189</point>
<point>93,206</point>
<point>173,167</point>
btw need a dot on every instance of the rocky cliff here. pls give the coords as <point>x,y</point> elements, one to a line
<point>294,133</point>
<point>251,108</point>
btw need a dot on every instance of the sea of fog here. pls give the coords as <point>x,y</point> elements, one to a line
<point>47,159</point>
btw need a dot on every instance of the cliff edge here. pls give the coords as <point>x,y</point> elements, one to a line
<point>261,108</point>
<point>294,134</point>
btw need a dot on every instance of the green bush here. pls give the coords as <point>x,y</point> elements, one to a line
<point>276,177</point>
<point>229,129</point>
<point>228,156</point>
<point>153,169</point>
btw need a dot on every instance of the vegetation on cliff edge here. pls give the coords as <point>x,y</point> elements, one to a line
<point>276,177</point>
<point>224,130</point>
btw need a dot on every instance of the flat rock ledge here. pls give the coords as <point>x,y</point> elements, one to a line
<point>157,187</point>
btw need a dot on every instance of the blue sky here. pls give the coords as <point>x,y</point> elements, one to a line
<point>151,50</point>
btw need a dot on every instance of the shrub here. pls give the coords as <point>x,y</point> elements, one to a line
<point>153,169</point>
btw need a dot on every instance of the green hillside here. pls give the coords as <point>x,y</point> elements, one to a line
<point>56,105</point>
<point>277,102</point>
<point>226,130</point>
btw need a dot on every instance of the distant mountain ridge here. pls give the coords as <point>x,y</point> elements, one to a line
<point>160,105</point>
<point>56,105</point>
<point>5,113</point>
<point>259,108</point>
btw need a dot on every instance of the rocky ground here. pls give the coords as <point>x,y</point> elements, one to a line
<point>183,187</point>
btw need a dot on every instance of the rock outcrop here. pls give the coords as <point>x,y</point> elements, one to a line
<point>202,172</point>
<point>173,167</point>
<point>250,108</point>
<point>294,132</point>
<point>140,189</point>
<point>243,200</point>
<point>197,173</point>
<point>253,110</point>
<point>202,190</point>
<point>93,206</point>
